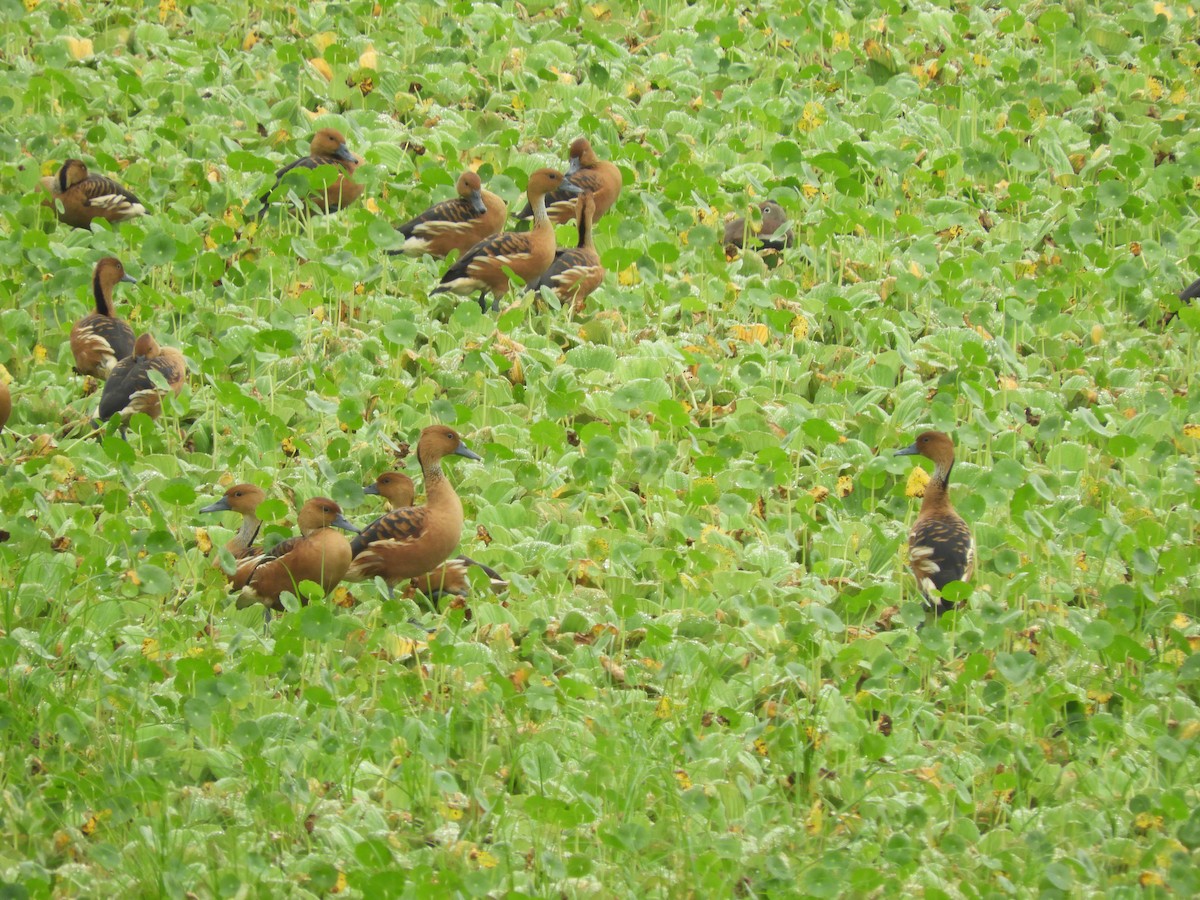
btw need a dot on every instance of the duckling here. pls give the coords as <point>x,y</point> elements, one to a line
<point>130,389</point>
<point>528,254</point>
<point>576,271</point>
<point>587,172</point>
<point>319,554</point>
<point>328,148</point>
<point>773,218</point>
<point>414,540</point>
<point>78,197</point>
<point>99,340</point>
<point>457,224</point>
<point>244,499</point>
<point>451,577</point>
<point>940,546</point>
<point>5,405</point>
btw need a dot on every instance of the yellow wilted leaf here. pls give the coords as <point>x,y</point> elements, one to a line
<point>683,778</point>
<point>751,334</point>
<point>369,59</point>
<point>760,747</point>
<point>340,884</point>
<point>89,827</point>
<point>799,328</point>
<point>371,205</point>
<point>39,353</point>
<point>79,48</point>
<point>819,493</point>
<point>485,860</point>
<point>1179,94</point>
<point>812,117</point>
<point>917,479</point>
<point>319,313</point>
<point>165,8</point>
<point>841,40</point>
<point>663,709</point>
<point>815,820</point>
<point>203,541</point>
<point>915,269</point>
<point>518,102</point>
<point>845,485</point>
<point>324,40</point>
<point>1154,88</point>
<point>322,67</point>
<point>629,276</point>
<point>150,649</point>
<point>250,39</point>
<point>1192,430</point>
<point>809,190</point>
<point>1150,879</point>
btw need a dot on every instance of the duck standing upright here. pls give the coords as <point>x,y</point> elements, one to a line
<point>940,546</point>
<point>328,148</point>
<point>527,254</point>
<point>576,271</point>
<point>413,541</point>
<point>79,197</point>
<point>450,577</point>
<point>245,499</point>
<point>457,224</point>
<point>586,172</point>
<point>130,389</point>
<point>319,554</point>
<point>100,340</point>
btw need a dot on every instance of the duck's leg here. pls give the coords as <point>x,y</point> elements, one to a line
<point>482,302</point>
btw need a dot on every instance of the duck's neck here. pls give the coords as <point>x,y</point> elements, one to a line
<point>439,492</point>
<point>103,296</point>
<point>247,534</point>
<point>937,492</point>
<point>540,219</point>
<point>585,232</point>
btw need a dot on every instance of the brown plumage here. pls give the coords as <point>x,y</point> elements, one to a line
<point>78,197</point>
<point>586,172</point>
<point>130,389</point>
<point>576,271</point>
<point>527,254</point>
<point>319,554</point>
<point>328,148</point>
<point>940,546</point>
<point>773,219</point>
<point>244,499</point>
<point>414,540</point>
<point>450,577</point>
<point>100,340</point>
<point>5,405</point>
<point>457,224</point>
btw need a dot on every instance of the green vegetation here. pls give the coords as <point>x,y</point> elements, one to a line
<point>690,485</point>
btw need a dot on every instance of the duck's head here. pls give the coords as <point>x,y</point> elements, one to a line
<point>241,498</point>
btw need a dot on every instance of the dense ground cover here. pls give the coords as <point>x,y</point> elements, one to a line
<point>690,485</point>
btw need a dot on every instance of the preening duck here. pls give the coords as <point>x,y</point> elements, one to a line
<point>586,172</point>
<point>130,389</point>
<point>79,197</point>
<point>526,254</point>
<point>940,546</point>
<point>457,224</point>
<point>320,554</point>
<point>414,540</point>
<point>100,340</point>
<point>328,148</point>
<point>576,271</point>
